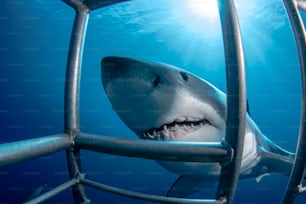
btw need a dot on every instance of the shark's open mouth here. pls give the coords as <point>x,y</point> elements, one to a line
<point>177,128</point>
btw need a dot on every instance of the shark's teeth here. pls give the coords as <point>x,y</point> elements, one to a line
<point>177,128</point>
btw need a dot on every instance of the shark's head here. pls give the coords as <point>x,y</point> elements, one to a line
<point>161,102</point>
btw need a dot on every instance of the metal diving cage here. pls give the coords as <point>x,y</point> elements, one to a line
<point>227,153</point>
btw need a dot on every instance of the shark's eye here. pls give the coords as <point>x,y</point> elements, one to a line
<point>156,81</point>
<point>184,76</point>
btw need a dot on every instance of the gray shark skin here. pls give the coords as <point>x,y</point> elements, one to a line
<point>162,102</point>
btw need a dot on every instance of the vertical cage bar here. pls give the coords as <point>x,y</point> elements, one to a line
<point>297,172</point>
<point>236,98</point>
<point>72,89</point>
<point>74,62</point>
<point>74,167</point>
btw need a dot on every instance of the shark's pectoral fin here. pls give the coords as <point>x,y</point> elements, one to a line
<point>186,185</point>
<point>260,177</point>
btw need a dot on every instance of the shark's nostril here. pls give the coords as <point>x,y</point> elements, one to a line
<point>184,76</point>
<point>156,81</point>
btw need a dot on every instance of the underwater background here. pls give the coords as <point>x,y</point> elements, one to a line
<point>34,42</point>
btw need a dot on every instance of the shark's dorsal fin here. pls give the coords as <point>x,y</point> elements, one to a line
<point>186,185</point>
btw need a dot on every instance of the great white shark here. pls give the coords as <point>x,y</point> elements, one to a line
<point>162,102</point>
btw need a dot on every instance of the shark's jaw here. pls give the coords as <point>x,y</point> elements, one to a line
<point>179,128</point>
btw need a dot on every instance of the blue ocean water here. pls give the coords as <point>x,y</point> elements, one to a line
<point>33,51</point>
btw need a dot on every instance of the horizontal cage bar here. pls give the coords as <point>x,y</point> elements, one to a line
<point>147,197</point>
<point>50,194</point>
<point>149,149</point>
<point>23,150</point>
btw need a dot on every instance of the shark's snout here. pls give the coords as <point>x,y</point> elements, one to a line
<point>131,83</point>
<point>114,67</point>
<point>142,77</point>
<point>116,62</point>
